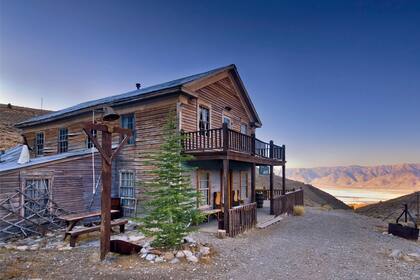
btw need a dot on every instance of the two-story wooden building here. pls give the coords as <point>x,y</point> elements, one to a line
<point>213,110</point>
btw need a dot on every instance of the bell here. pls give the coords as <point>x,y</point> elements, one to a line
<point>110,115</point>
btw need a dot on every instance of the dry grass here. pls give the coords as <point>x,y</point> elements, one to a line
<point>298,210</point>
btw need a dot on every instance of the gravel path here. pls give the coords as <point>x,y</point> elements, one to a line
<point>319,245</point>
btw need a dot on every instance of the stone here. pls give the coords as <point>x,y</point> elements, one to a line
<point>22,248</point>
<point>144,250</point>
<point>189,239</point>
<point>174,261</point>
<point>155,252</point>
<point>150,257</point>
<point>180,254</point>
<point>407,259</point>
<point>395,254</point>
<point>192,258</point>
<point>159,259</point>
<point>187,253</point>
<point>143,255</point>
<point>221,233</point>
<point>414,255</point>
<point>204,251</point>
<point>168,256</point>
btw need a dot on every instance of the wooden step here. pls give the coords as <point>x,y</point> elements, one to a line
<point>269,222</point>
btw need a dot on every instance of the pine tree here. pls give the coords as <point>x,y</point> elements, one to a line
<point>171,208</point>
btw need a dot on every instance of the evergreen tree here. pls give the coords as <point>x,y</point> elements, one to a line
<point>171,208</point>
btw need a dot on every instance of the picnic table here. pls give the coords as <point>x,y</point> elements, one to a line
<point>72,219</point>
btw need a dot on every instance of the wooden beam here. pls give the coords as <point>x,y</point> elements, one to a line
<point>253,182</point>
<point>271,189</point>
<point>283,179</point>
<point>106,195</point>
<point>226,194</point>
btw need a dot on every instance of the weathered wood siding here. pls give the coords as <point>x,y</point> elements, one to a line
<point>216,96</point>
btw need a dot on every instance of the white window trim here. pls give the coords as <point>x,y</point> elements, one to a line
<point>225,116</point>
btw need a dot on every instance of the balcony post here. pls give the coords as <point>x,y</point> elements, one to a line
<point>283,169</point>
<point>226,194</point>
<point>253,182</point>
<point>253,144</point>
<point>225,137</point>
<point>271,149</point>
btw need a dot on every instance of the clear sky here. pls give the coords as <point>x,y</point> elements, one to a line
<point>338,82</point>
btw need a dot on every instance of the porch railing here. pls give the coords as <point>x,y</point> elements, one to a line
<point>224,139</point>
<point>285,203</point>
<point>242,218</point>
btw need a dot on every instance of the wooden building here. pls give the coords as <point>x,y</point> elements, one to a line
<point>213,109</point>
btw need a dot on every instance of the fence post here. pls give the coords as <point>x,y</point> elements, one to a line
<point>225,137</point>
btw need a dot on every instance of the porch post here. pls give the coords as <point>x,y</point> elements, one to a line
<point>253,182</point>
<point>271,189</point>
<point>283,169</point>
<point>226,195</point>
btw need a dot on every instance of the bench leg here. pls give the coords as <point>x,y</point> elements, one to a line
<point>73,241</point>
<point>122,228</point>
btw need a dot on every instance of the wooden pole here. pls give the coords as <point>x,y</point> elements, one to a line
<point>283,169</point>
<point>106,195</point>
<point>226,196</point>
<point>271,179</point>
<point>253,182</point>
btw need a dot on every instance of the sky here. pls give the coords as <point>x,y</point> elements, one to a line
<point>337,82</point>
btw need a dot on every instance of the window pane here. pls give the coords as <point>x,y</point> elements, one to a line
<point>127,193</point>
<point>63,140</point>
<point>127,121</point>
<point>204,188</point>
<point>39,143</point>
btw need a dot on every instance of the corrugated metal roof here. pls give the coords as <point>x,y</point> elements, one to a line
<point>120,97</point>
<point>8,160</point>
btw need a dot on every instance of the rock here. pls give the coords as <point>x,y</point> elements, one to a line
<point>22,248</point>
<point>395,254</point>
<point>150,257</point>
<point>187,253</point>
<point>221,233</point>
<point>168,256</point>
<point>34,247</point>
<point>174,261</point>
<point>180,254</point>
<point>158,259</point>
<point>407,259</point>
<point>192,258</point>
<point>204,251</point>
<point>143,255</point>
<point>144,250</point>
<point>189,239</point>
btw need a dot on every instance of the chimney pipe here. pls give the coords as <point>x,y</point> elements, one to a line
<point>138,85</point>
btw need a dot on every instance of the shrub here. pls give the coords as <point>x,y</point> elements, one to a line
<point>298,210</point>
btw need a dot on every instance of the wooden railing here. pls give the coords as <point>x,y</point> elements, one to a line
<point>224,139</point>
<point>285,203</point>
<point>266,192</point>
<point>242,218</point>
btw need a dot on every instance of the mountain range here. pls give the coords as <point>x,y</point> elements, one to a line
<point>397,176</point>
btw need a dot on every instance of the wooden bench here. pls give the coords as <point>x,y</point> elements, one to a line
<point>74,234</point>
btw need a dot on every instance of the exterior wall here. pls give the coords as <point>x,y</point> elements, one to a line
<point>216,97</point>
<point>70,182</point>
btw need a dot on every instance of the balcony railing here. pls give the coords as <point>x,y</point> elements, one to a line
<point>225,139</point>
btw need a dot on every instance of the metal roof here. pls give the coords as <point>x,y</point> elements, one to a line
<point>145,92</point>
<point>8,160</point>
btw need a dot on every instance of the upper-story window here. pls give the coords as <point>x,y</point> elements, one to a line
<point>128,121</point>
<point>63,140</point>
<point>89,142</point>
<point>244,128</point>
<point>39,143</point>
<point>204,122</point>
<point>227,121</point>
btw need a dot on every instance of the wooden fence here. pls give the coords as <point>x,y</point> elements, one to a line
<point>242,218</point>
<point>284,203</point>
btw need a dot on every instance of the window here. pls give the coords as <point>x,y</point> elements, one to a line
<point>39,143</point>
<point>244,185</point>
<point>36,197</point>
<point>244,128</point>
<point>204,188</point>
<point>127,121</point>
<point>227,121</point>
<point>127,193</point>
<point>63,136</point>
<point>89,142</point>
<point>204,123</point>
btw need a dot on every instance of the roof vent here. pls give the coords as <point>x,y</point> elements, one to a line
<point>138,85</point>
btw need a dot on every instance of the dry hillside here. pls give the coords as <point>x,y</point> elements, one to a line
<point>390,210</point>
<point>9,116</point>
<point>313,196</point>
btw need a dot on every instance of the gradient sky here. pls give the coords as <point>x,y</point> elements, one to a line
<point>338,82</point>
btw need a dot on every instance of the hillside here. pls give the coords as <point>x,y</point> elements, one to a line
<point>313,196</point>
<point>9,116</point>
<point>399,176</point>
<point>390,209</point>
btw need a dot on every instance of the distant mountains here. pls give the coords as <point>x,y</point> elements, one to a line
<point>398,176</point>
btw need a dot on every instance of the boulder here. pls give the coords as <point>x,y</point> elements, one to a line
<point>204,251</point>
<point>168,256</point>
<point>180,254</point>
<point>150,257</point>
<point>192,258</point>
<point>187,253</point>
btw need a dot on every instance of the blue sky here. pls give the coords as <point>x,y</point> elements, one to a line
<point>338,82</point>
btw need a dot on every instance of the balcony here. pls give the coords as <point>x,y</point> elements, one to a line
<point>223,142</point>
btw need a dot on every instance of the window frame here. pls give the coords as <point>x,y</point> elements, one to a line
<point>200,201</point>
<point>241,184</point>
<point>32,178</point>
<point>132,139</point>
<point>230,124</point>
<point>63,141</point>
<point>37,144</point>
<point>208,108</point>
<point>132,198</point>
<point>246,128</point>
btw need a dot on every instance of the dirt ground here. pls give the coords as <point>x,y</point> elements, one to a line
<point>334,244</point>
